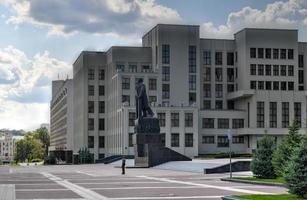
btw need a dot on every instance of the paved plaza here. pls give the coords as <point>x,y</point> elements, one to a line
<point>99,181</point>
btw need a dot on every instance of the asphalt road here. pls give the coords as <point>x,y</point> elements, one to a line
<point>99,181</point>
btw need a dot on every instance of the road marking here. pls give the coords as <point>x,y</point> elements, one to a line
<point>92,175</point>
<point>205,185</point>
<point>19,184</point>
<point>115,183</point>
<point>135,188</point>
<point>177,197</point>
<point>83,192</point>
<point>38,190</point>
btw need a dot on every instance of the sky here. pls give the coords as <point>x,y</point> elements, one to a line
<point>40,39</point>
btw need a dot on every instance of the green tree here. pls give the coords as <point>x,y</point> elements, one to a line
<point>261,164</point>
<point>285,149</point>
<point>85,156</point>
<point>42,135</point>
<point>296,171</point>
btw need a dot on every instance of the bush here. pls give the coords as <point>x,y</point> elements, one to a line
<point>36,160</point>
<point>261,164</point>
<point>50,159</point>
<point>85,157</point>
<point>296,171</point>
<point>285,150</point>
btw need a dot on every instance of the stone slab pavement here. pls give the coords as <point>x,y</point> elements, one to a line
<point>99,182</point>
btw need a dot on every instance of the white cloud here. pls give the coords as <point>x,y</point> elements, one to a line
<point>289,14</point>
<point>121,17</point>
<point>25,87</point>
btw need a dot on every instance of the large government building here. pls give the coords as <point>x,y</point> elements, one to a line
<point>199,88</point>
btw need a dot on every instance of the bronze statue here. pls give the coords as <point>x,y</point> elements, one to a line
<point>141,101</point>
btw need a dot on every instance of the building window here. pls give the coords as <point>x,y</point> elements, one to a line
<point>300,60</point>
<point>165,73</point>
<point>298,113</point>
<point>101,107</point>
<point>163,141</point>
<point>273,115</point>
<point>192,82</point>
<point>101,124</point>
<point>253,69</point>
<point>192,59</point>
<point>222,123</point>
<point>101,74</point>
<point>208,122</point>
<point>91,107</point>
<point>126,98</point>
<point>90,141</point>
<point>90,124</point>
<point>300,87</point>
<point>283,85</point>
<point>268,70</point>
<point>230,74</point>
<point>132,68</point>
<point>91,74</point>
<point>175,119</point>
<point>188,118</point>
<point>290,54</point>
<point>207,57</point>
<point>188,140</point>
<point>283,53</point>
<point>252,52</point>
<point>230,105</point>
<point>260,70</point>
<point>218,104</point>
<point>253,85</point>
<point>161,117</point>
<point>260,85</point>
<point>146,68</point>
<point>218,90</point>
<point>290,70</point>
<point>152,99</point>
<point>275,53</point>
<point>268,53</point>
<point>218,74</point>
<point>125,83</point>
<point>260,52</point>
<point>130,140</point>
<point>290,85</point>
<point>175,139</point>
<point>218,58</point>
<point>283,70</point>
<point>165,91</point>
<point>165,54</point>
<point>284,114</point>
<point>276,70</point>
<point>230,88</point>
<point>268,85</point>
<point>101,90</point>
<point>230,58</point>
<point>237,123</point>
<point>222,141</point>
<point>207,104</point>
<point>238,139</point>
<point>207,139</point>
<point>192,98</point>
<point>260,114</point>
<point>207,74</point>
<point>275,85</point>
<point>300,76</point>
<point>132,117</point>
<point>152,84</point>
<point>101,141</point>
<point>91,90</point>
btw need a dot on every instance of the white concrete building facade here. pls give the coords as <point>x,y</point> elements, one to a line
<point>199,88</point>
<point>7,147</point>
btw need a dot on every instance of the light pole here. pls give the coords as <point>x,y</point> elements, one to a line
<point>229,135</point>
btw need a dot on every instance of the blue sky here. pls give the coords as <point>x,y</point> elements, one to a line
<point>41,39</point>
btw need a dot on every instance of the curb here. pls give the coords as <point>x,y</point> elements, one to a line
<point>230,198</point>
<point>253,182</point>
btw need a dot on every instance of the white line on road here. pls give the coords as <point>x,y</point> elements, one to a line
<point>83,192</point>
<point>177,197</point>
<point>136,188</point>
<point>116,183</point>
<point>205,185</point>
<point>38,190</point>
<point>92,175</point>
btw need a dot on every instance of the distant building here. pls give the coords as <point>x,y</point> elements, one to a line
<point>198,87</point>
<point>7,147</point>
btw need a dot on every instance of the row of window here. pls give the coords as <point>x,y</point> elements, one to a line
<point>133,68</point>
<point>273,114</point>
<point>267,53</point>
<point>91,124</point>
<point>91,107</point>
<point>91,142</point>
<point>91,74</point>
<point>267,70</point>
<point>222,123</point>
<point>218,90</point>
<point>218,58</point>
<point>91,90</point>
<point>126,98</point>
<point>272,85</point>
<point>152,83</point>
<point>218,74</point>
<point>218,104</point>
<point>222,141</point>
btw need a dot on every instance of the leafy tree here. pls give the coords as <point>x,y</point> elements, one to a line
<point>285,149</point>
<point>23,150</point>
<point>261,164</point>
<point>85,156</point>
<point>296,171</point>
<point>42,135</point>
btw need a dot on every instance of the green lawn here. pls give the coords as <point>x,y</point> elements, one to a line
<point>270,197</point>
<point>276,180</point>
